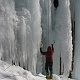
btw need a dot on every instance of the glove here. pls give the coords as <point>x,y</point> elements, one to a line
<point>41,45</point>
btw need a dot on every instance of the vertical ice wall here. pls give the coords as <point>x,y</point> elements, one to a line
<point>63,34</point>
<point>76,70</point>
<point>47,34</point>
<point>34,8</point>
<point>33,36</point>
<point>20,32</point>
<point>60,31</point>
<point>46,22</point>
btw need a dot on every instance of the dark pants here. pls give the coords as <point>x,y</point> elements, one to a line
<point>48,66</point>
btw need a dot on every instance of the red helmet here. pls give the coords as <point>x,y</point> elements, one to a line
<point>49,48</point>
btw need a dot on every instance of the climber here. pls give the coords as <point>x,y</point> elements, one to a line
<point>49,61</point>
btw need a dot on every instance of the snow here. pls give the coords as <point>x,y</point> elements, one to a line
<point>9,72</point>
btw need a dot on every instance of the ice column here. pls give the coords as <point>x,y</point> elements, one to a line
<point>8,20</point>
<point>63,32</point>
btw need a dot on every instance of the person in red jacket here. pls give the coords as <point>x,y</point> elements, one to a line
<point>49,60</point>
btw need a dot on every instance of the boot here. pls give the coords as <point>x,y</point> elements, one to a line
<point>47,76</point>
<point>51,76</point>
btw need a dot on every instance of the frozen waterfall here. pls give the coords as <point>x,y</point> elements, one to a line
<point>22,25</point>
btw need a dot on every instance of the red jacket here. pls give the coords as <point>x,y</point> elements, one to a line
<point>48,54</point>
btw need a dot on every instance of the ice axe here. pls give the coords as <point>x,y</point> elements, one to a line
<point>53,42</point>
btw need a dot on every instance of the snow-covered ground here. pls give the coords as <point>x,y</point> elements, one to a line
<point>9,72</point>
